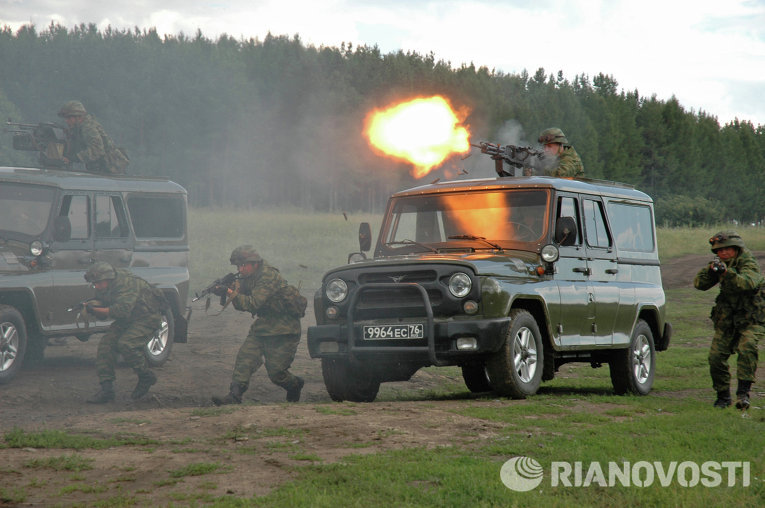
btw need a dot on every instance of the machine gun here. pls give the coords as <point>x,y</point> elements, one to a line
<point>226,281</point>
<point>516,156</point>
<point>47,138</point>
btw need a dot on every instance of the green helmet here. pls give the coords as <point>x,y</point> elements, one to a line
<point>553,135</point>
<point>100,271</point>
<point>72,108</point>
<point>726,239</point>
<point>244,254</point>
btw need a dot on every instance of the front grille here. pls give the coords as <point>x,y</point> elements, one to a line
<point>419,277</point>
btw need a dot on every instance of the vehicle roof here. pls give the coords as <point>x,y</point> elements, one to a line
<point>74,180</point>
<point>586,185</point>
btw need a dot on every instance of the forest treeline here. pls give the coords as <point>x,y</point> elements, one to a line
<point>279,122</point>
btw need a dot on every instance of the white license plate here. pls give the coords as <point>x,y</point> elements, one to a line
<point>408,331</point>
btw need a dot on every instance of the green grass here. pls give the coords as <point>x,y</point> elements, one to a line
<point>18,438</point>
<point>676,242</point>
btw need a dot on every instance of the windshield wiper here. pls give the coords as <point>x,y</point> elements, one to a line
<point>412,242</point>
<point>473,237</point>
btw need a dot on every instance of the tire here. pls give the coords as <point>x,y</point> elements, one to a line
<point>160,344</point>
<point>345,381</point>
<point>476,378</point>
<point>516,369</point>
<point>632,369</point>
<point>13,342</point>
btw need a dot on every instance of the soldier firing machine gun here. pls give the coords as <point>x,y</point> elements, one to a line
<point>515,156</point>
<point>47,138</point>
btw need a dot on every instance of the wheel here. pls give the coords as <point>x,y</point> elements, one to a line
<point>160,344</point>
<point>13,342</point>
<point>476,378</point>
<point>345,381</point>
<point>516,369</point>
<point>632,369</point>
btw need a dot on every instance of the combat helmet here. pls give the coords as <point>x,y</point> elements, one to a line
<point>726,239</point>
<point>244,254</point>
<point>552,135</point>
<point>72,108</point>
<point>100,271</point>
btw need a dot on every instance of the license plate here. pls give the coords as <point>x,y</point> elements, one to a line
<point>409,331</point>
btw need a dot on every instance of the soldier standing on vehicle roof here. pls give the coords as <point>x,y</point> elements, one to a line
<point>738,315</point>
<point>88,143</point>
<point>568,163</point>
<point>275,334</point>
<point>135,307</point>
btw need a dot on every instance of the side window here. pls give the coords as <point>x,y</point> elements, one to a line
<point>157,216</point>
<point>632,226</point>
<point>77,209</point>
<point>595,224</point>
<point>111,221</point>
<point>567,207</point>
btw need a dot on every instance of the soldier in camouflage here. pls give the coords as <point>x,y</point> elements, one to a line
<point>568,163</point>
<point>275,334</point>
<point>88,143</point>
<point>738,315</point>
<point>135,307</point>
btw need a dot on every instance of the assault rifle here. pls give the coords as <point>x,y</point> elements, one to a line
<point>516,156</point>
<point>83,309</point>
<point>224,282</point>
<point>47,138</point>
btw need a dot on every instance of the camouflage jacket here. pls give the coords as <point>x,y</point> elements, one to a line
<point>89,144</point>
<point>130,298</point>
<point>740,301</point>
<point>260,294</point>
<point>569,164</point>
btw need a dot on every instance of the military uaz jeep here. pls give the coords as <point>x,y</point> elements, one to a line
<point>508,278</point>
<point>54,225</point>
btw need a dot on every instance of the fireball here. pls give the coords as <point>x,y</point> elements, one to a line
<point>423,132</point>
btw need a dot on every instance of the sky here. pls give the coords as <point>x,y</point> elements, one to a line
<point>709,54</point>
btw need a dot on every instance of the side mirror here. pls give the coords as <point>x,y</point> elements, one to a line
<point>565,231</point>
<point>365,237</point>
<point>62,229</point>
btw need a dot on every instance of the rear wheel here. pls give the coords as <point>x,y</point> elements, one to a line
<point>160,344</point>
<point>13,342</point>
<point>632,369</point>
<point>476,378</point>
<point>345,381</point>
<point>516,369</point>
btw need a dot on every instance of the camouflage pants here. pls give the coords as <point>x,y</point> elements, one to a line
<point>277,351</point>
<point>129,340</point>
<point>744,342</point>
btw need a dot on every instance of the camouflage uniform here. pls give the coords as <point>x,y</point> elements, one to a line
<point>273,337</point>
<point>738,317</point>
<point>88,143</point>
<point>568,164</point>
<point>135,307</point>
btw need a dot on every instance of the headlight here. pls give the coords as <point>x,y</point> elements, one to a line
<point>36,248</point>
<point>550,253</point>
<point>460,284</point>
<point>336,290</point>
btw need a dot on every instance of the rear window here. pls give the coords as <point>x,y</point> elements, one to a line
<point>632,226</point>
<point>157,216</point>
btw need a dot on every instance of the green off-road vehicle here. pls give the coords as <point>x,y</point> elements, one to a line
<point>507,278</point>
<point>54,225</point>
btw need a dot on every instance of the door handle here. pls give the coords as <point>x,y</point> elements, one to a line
<point>584,270</point>
<point>612,271</point>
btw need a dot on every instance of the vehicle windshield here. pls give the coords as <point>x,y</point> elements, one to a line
<point>478,220</point>
<point>25,208</point>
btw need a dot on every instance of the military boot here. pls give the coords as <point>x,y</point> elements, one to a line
<point>234,396</point>
<point>104,395</point>
<point>145,381</point>
<point>723,399</point>
<point>742,394</point>
<point>293,394</point>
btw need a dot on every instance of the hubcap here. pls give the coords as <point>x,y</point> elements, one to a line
<point>524,355</point>
<point>641,359</point>
<point>158,341</point>
<point>9,345</point>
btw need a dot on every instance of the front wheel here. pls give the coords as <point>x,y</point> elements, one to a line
<point>516,369</point>
<point>160,344</point>
<point>345,381</point>
<point>632,369</point>
<point>13,342</point>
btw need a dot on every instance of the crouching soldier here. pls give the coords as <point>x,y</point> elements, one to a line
<point>135,307</point>
<point>275,334</point>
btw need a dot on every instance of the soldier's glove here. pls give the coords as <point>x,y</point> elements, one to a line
<point>220,290</point>
<point>718,267</point>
